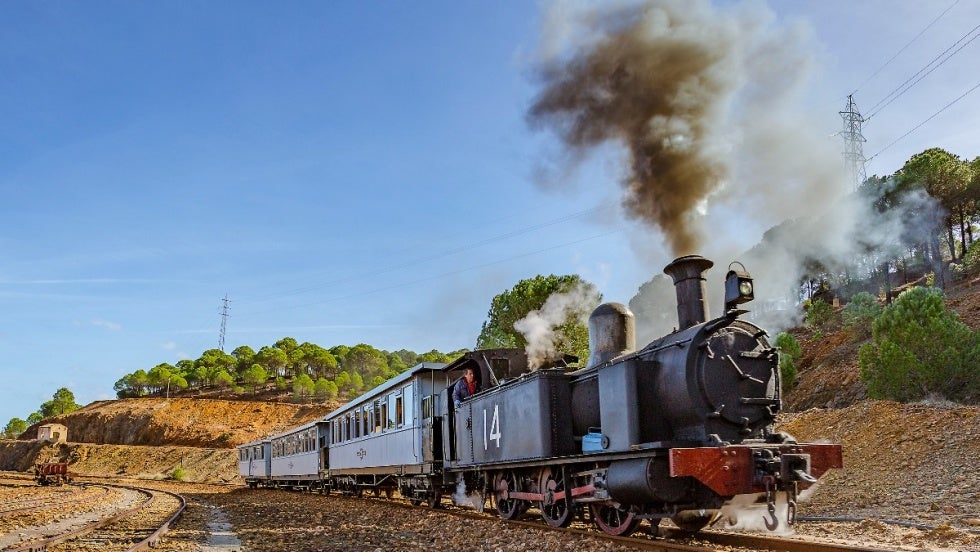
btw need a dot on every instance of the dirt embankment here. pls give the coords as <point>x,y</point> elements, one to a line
<point>149,437</point>
<point>208,423</point>
<point>901,461</point>
<point>198,464</point>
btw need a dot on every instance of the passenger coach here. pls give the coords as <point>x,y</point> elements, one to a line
<point>299,456</point>
<point>255,462</point>
<point>390,437</point>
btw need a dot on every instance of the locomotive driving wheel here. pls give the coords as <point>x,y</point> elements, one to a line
<point>614,520</point>
<point>504,483</point>
<point>556,513</point>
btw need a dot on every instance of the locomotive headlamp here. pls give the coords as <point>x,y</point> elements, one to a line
<point>738,286</point>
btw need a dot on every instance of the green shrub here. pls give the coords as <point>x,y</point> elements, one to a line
<point>178,473</point>
<point>860,313</point>
<point>919,349</point>
<point>971,261</point>
<point>789,352</point>
<point>819,315</point>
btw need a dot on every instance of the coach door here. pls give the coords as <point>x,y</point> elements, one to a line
<point>431,429</point>
<point>324,444</point>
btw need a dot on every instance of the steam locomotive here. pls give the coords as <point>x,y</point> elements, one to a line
<point>672,430</point>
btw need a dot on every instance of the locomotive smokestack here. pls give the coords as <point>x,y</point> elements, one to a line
<point>612,332</point>
<point>688,275</point>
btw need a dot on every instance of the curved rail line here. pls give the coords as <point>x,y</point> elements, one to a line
<point>144,544</point>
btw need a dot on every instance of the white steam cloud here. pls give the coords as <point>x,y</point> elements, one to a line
<point>542,328</point>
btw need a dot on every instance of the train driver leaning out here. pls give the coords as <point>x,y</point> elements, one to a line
<point>465,387</point>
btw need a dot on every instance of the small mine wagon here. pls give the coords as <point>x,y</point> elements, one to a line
<point>52,473</point>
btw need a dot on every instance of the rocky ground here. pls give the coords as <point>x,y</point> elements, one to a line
<point>278,520</point>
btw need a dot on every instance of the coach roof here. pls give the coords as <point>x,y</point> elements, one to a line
<point>393,382</point>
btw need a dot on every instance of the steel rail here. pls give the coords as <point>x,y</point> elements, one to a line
<point>154,538</point>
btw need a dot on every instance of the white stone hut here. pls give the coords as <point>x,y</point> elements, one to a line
<point>52,433</point>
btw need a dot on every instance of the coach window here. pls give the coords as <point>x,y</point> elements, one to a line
<point>377,416</point>
<point>369,419</point>
<point>409,405</point>
<point>394,405</point>
<point>365,427</point>
<point>399,410</point>
<point>357,423</point>
<point>384,413</point>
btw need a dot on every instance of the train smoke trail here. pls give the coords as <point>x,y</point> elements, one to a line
<point>703,101</point>
<point>650,81</point>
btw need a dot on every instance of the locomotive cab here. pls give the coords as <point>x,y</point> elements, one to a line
<point>490,367</point>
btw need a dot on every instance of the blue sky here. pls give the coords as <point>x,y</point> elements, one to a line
<point>345,173</point>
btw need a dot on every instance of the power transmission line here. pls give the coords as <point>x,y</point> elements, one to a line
<point>931,117</point>
<point>446,253</point>
<point>903,48</point>
<point>928,69</point>
<point>439,276</point>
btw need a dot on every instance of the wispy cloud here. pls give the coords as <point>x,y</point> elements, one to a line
<point>99,323</point>
<point>168,346</point>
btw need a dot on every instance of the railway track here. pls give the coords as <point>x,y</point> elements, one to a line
<point>128,518</point>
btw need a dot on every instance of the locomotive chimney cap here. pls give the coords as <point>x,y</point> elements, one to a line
<point>688,266</point>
